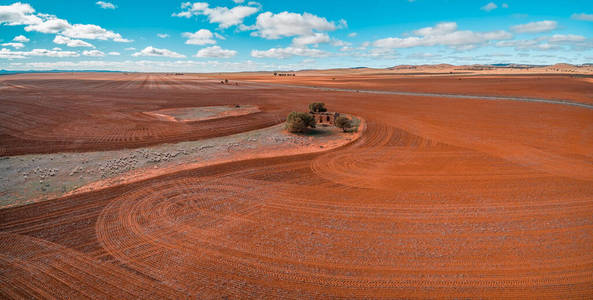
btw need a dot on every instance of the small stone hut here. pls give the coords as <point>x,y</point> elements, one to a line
<point>326,118</point>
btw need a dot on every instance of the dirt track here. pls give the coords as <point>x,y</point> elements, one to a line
<point>447,198</point>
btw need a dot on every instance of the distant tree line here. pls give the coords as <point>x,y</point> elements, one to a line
<point>284,74</point>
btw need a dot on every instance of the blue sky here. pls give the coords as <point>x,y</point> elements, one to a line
<point>235,35</point>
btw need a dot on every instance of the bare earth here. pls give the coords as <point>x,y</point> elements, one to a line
<point>192,114</point>
<point>439,197</point>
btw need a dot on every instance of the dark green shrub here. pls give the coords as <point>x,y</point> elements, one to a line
<point>299,122</point>
<point>317,107</point>
<point>343,123</point>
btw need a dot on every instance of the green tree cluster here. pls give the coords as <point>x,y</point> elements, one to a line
<point>317,107</point>
<point>299,122</point>
<point>343,123</point>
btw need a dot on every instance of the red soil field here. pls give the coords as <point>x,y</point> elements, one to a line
<point>578,88</point>
<point>439,198</point>
<point>85,112</point>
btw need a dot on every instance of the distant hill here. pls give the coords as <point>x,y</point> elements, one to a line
<point>403,67</point>
<point>562,65</point>
<point>478,66</point>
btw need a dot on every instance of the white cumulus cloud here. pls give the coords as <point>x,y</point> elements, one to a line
<point>52,25</point>
<point>225,17</point>
<point>556,41</point>
<point>216,51</point>
<point>560,38</point>
<point>200,37</point>
<point>524,45</point>
<point>6,53</point>
<point>490,6</point>
<point>24,14</point>
<point>535,27</point>
<point>287,24</point>
<point>18,14</point>
<point>151,51</point>
<point>62,40</point>
<point>93,32</point>
<point>316,38</point>
<point>14,45</point>
<point>95,53</point>
<point>105,5</point>
<point>443,34</point>
<point>582,17</point>
<point>21,38</point>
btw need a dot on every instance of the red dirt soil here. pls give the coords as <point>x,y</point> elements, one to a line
<point>86,112</point>
<point>440,198</point>
<point>558,87</point>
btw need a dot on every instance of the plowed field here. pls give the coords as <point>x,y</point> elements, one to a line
<point>439,198</point>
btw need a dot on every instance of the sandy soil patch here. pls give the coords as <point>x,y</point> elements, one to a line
<point>193,114</point>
